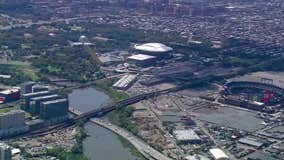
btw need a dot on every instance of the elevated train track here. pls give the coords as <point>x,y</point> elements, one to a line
<point>100,112</point>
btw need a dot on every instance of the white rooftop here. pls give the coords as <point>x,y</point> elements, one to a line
<point>196,157</point>
<point>16,151</point>
<point>218,154</point>
<point>141,57</point>
<point>9,91</point>
<point>153,47</point>
<point>184,135</point>
<point>125,81</point>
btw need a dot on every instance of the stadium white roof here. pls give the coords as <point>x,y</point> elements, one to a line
<point>153,47</point>
<point>141,57</point>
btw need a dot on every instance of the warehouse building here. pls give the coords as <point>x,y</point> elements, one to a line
<point>142,60</point>
<point>109,59</point>
<point>252,142</point>
<point>158,50</point>
<point>261,155</point>
<point>125,82</point>
<point>12,123</point>
<point>54,109</point>
<point>35,102</point>
<point>187,136</point>
<point>218,154</point>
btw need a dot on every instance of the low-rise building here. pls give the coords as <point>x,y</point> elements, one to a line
<point>125,82</point>
<point>252,142</point>
<point>9,95</point>
<point>187,136</point>
<point>142,60</point>
<point>218,154</point>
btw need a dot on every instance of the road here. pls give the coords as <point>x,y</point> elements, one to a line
<point>145,149</point>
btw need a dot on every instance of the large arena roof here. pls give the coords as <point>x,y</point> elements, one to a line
<point>270,78</point>
<point>153,47</point>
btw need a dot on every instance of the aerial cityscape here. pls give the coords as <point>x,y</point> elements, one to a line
<point>141,80</point>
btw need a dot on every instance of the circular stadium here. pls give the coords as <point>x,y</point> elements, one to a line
<point>265,87</point>
<point>154,49</point>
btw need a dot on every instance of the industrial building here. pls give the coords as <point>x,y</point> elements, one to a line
<point>54,109</point>
<point>108,59</point>
<point>125,82</point>
<point>5,152</point>
<point>187,136</point>
<point>261,155</point>
<point>9,95</point>
<point>218,154</point>
<point>252,142</point>
<point>154,49</point>
<point>35,102</point>
<point>12,123</point>
<point>28,96</point>
<point>142,60</point>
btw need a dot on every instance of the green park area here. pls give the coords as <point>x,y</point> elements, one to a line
<point>19,71</point>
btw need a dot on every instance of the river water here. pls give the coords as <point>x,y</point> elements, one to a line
<point>101,144</point>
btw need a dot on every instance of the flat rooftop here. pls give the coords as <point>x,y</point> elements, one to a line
<point>45,97</point>
<point>35,93</point>
<point>218,153</point>
<point>55,101</point>
<point>184,135</point>
<point>9,91</point>
<point>270,78</point>
<point>125,81</point>
<point>141,57</point>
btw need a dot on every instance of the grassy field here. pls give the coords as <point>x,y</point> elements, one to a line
<point>11,108</point>
<point>7,109</point>
<point>19,71</point>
